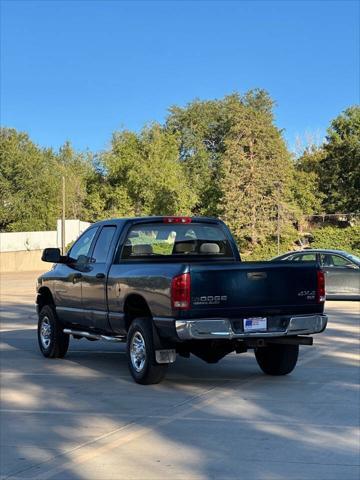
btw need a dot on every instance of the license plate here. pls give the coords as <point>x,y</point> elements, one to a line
<point>255,324</point>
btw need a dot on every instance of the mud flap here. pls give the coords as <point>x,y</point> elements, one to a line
<point>164,351</point>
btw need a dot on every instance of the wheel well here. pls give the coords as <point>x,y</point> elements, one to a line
<point>44,297</point>
<point>135,306</point>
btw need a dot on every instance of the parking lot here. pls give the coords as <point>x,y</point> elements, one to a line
<point>84,418</point>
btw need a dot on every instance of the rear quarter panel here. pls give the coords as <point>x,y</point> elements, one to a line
<point>152,281</point>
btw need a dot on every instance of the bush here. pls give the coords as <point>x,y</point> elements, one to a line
<point>338,238</point>
<point>262,252</point>
<point>324,237</point>
<point>268,249</point>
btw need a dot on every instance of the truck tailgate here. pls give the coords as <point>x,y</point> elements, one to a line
<point>253,288</point>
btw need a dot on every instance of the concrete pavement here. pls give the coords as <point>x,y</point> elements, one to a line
<point>84,418</point>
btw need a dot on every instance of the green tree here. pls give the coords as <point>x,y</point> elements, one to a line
<point>257,180</point>
<point>340,169</point>
<point>76,168</point>
<point>95,202</point>
<point>29,184</point>
<point>333,170</point>
<point>143,175</point>
<point>306,186</point>
<point>203,128</point>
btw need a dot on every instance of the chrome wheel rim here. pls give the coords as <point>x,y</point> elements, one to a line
<point>45,332</point>
<point>138,351</point>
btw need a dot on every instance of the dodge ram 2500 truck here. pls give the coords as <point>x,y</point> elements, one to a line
<point>176,285</point>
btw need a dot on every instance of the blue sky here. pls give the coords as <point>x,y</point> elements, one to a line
<point>80,70</point>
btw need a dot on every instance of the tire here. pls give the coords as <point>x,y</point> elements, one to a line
<point>53,342</point>
<point>277,359</point>
<point>141,353</point>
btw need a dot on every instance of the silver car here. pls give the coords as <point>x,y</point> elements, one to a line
<point>342,270</point>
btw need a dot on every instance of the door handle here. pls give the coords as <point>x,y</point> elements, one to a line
<point>76,276</point>
<point>100,275</point>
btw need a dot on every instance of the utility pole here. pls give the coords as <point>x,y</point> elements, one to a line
<point>278,228</point>
<point>63,218</point>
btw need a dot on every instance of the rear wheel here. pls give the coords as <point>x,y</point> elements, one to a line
<point>277,359</point>
<point>53,342</point>
<point>141,353</point>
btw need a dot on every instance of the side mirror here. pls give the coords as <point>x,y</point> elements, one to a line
<point>82,260</point>
<point>51,255</point>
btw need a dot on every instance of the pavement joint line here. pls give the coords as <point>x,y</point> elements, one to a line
<point>195,400</point>
<point>317,354</point>
<point>93,352</point>
<point>226,477</point>
<point>132,435</point>
<point>248,399</point>
<point>170,378</point>
<point>145,430</point>
<point>190,419</point>
<point>200,477</point>
<point>7,330</point>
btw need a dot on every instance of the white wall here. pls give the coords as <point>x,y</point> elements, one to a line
<point>27,241</point>
<point>17,241</point>
<point>73,229</point>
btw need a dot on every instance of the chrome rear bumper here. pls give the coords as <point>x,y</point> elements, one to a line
<point>221,328</point>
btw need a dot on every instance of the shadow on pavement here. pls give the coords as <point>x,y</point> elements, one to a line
<point>206,421</point>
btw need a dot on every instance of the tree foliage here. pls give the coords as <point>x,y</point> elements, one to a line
<point>31,182</point>
<point>203,128</point>
<point>339,238</point>
<point>340,168</point>
<point>76,168</point>
<point>258,172</point>
<point>223,157</point>
<point>335,166</point>
<point>141,176</point>
<point>28,190</point>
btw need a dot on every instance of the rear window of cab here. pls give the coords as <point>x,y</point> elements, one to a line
<point>158,240</point>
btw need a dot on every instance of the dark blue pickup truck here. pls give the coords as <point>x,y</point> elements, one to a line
<point>176,285</point>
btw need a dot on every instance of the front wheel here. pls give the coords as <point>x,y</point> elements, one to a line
<point>277,359</point>
<point>141,353</point>
<point>53,342</point>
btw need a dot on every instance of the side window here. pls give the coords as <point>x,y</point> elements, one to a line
<point>293,258</point>
<point>82,246</point>
<point>308,257</point>
<point>103,243</point>
<point>328,260</point>
<point>339,261</point>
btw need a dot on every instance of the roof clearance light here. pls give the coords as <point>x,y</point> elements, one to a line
<point>177,220</point>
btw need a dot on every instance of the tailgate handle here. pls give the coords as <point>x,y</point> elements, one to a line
<point>256,275</point>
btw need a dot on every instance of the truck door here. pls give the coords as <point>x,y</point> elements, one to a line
<point>69,281</point>
<point>94,299</point>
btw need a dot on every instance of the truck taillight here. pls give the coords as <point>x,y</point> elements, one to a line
<point>180,292</point>
<point>177,219</point>
<point>320,291</point>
